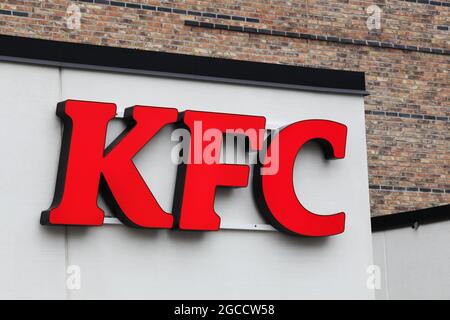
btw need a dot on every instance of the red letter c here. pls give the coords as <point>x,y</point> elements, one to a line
<point>275,194</point>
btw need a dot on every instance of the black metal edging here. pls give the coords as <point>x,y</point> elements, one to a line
<point>410,219</point>
<point>85,56</point>
<point>308,36</point>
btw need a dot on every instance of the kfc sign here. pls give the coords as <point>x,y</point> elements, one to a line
<point>87,168</point>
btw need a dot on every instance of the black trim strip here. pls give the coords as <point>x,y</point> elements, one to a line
<point>408,189</point>
<point>430,2</point>
<point>409,219</point>
<point>408,115</point>
<point>84,56</point>
<point>308,36</point>
<point>13,13</point>
<point>170,10</point>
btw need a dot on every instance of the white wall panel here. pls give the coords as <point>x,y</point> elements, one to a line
<point>416,262</point>
<point>32,257</point>
<point>120,262</point>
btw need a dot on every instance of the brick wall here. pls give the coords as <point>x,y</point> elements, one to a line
<point>406,63</point>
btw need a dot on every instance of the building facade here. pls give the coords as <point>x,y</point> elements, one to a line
<point>401,46</point>
<point>380,69</point>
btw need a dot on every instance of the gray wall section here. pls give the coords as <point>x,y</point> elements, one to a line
<point>414,264</point>
<point>121,262</point>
